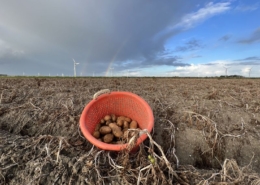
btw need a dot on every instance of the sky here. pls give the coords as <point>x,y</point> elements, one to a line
<point>195,38</point>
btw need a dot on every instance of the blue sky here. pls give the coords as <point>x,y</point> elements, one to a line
<point>135,38</point>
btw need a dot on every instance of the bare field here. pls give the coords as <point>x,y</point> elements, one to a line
<point>207,131</point>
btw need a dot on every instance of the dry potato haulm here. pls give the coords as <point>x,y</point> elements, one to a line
<point>206,131</point>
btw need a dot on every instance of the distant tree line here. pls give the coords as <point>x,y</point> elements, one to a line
<point>232,76</point>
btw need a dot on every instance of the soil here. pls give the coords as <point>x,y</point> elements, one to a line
<point>208,129</point>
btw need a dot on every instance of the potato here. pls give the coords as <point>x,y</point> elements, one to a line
<point>105,130</point>
<point>128,119</point>
<point>118,133</point>
<point>116,130</point>
<point>108,121</point>
<point>113,117</point>
<point>112,125</point>
<point>102,121</point>
<point>126,125</point>
<point>112,129</point>
<point>107,117</point>
<point>133,125</point>
<point>96,134</point>
<point>97,127</point>
<point>121,117</point>
<point>120,122</point>
<point>108,138</point>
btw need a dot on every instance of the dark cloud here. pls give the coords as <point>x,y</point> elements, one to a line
<point>249,58</point>
<point>253,60</point>
<point>253,38</point>
<point>248,63</point>
<point>210,64</point>
<point>225,38</point>
<point>172,61</point>
<point>161,61</point>
<point>94,33</point>
<point>191,45</point>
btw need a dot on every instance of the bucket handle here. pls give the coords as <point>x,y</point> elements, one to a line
<point>103,91</point>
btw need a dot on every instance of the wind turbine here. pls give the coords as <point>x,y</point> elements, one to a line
<point>75,74</point>
<point>226,70</point>
<point>249,71</point>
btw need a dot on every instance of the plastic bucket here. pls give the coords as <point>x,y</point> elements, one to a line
<point>118,103</point>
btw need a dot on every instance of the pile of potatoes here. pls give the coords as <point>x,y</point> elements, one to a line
<point>114,129</point>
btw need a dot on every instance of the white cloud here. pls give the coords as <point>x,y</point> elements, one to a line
<point>246,8</point>
<point>192,19</point>
<point>211,9</point>
<point>215,68</point>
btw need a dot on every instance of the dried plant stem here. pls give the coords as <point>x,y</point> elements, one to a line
<point>58,153</point>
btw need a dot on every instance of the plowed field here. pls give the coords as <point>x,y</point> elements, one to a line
<point>207,131</point>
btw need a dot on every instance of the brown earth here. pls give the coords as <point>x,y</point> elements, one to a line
<point>209,131</point>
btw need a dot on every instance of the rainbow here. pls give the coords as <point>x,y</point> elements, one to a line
<point>114,57</point>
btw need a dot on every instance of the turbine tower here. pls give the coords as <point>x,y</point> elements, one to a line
<point>249,71</point>
<point>75,74</point>
<point>226,70</point>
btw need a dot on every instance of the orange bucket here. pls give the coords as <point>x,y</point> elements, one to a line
<point>118,103</point>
